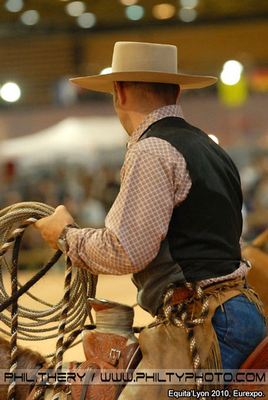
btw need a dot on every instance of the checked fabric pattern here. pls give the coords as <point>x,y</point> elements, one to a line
<point>154,180</point>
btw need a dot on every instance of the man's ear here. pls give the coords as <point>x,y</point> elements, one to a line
<point>178,95</point>
<point>120,93</point>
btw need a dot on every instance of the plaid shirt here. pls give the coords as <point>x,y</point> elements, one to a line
<point>154,180</point>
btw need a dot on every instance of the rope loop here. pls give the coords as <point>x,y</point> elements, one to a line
<point>179,316</point>
<point>68,316</point>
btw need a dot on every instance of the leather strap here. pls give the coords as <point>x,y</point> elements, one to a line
<point>180,294</point>
<point>86,382</point>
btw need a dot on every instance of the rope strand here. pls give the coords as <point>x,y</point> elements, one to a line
<point>14,316</point>
<point>178,316</point>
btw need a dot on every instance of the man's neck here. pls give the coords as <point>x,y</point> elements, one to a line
<point>135,120</point>
<point>138,116</point>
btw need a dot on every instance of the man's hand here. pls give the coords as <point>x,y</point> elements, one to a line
<point>51,227</point>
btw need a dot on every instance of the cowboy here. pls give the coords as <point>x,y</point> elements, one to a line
<point>176,222</point>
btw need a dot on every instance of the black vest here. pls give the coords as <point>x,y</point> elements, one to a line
<point>204,231</point>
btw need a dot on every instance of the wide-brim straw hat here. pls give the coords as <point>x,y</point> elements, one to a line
<point>143,62</point>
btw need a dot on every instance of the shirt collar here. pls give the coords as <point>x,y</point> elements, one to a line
<point>173,110</point>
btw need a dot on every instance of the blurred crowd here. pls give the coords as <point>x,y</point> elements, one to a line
<point>89,195</point>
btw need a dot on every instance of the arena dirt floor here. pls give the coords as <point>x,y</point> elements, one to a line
<point>50,289</point>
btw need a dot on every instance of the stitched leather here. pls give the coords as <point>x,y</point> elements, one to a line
<point>104,352</point>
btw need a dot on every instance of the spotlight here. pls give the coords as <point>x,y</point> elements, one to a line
<point>14,5</point>
<point>75,8</point>
<point>86,20</point>
<point>10,92</point>
<point>163,11</point>
<point>231,72</point>
<point>187,14</point>
<point>134,12</point>
<point>30,17</point>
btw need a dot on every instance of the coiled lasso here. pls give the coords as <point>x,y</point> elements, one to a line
<point>67,316</point>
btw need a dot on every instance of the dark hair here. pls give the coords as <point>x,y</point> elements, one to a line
<point>168,91</point>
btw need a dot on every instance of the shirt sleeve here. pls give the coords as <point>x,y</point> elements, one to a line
<point>154,179</point>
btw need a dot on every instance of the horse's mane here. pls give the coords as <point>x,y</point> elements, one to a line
<point>27,359</point>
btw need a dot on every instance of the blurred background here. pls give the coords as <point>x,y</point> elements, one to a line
<point>61,144</point>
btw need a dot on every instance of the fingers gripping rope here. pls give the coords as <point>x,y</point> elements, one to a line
<point>26,324</point>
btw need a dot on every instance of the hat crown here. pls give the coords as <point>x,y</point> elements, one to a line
<point>143,62</point>
<point>137,56</point>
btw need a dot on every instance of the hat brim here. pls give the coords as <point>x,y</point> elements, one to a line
<point>104,83</point>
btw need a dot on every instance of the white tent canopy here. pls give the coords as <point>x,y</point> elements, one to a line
<point>84,140</point>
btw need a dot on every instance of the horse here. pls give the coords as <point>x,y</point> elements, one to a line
<point>256,253</point>
<point>26,360</point>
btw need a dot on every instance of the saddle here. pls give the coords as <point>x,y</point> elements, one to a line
<point>113,346</point>
<point>257,360</point>
<point>110,347</point>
